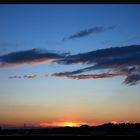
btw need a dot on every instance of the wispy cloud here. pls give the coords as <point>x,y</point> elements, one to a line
<point>119,61</point>
<point>86,32</point>
<point>23,77</point>
<point>33,56</point>
<point>88,76</point>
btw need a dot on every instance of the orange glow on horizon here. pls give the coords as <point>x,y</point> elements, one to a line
<point>70,124</point>
<point>63,124</point>
<point>60,124</point>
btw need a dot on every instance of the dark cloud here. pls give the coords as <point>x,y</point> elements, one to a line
<point>132,79</point>
<point>109,62</point>
<point>14,77</point>
<point>124,61</point>
<point>33,56</point>
<point>87,32</point>
<point>88,76</point>
<point>23,77</point>
<point>101,55</point>
<point>76,71</point>
<point>30,76</point>
<point>121,61</point>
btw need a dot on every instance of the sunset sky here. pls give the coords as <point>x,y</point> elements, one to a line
<point>62,64</point>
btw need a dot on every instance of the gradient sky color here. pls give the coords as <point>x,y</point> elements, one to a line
<point>54,99</point>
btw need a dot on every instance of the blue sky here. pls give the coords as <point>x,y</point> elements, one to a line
<point>50,99</point>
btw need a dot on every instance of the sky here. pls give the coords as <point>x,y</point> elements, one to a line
<point>62,64</point>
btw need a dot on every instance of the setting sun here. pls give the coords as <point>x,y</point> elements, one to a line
<point>62,124</point>
<point>70,124</point>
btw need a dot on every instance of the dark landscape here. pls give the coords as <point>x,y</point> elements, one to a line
<point>107,129</point>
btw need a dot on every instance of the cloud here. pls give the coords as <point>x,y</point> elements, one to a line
<point>23,77</point>
<point>118,61</point>
<point>14,77</point>
<point>86,32</point>
<point>33,56</point>
<point>101,54</point>
<point>76,71</point>
<point>124,61</point>
<point>109,62</point>
<point>132,79</point>
<point>88,76</point>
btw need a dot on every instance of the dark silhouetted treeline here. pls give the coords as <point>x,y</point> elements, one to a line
<point>108,129</point>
